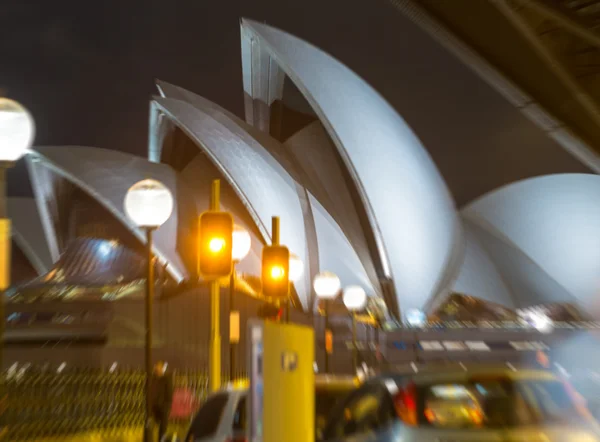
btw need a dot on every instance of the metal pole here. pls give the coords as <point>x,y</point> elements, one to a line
<point>214,366</point>
<point>326,333</point>
<point>275,230</point>
<point>287,308</point>
<point>232,346</point>
<point>5,244</point>
<point>148,356</point>
<point>354,349</point>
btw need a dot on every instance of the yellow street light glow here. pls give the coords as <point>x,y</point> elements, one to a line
<point>216,245</point>
<point>277,272</point>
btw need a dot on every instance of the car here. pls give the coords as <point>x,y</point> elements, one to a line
<point>222,418</point>
<point>475,406</point>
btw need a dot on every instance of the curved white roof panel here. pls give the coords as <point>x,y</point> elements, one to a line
<point>263,185</point>
<point>336,254</point>
<point>409,208</point>
<point>106,175</point>
<point>28,232</point>
<point>544,235</point>
<point>479,275</point>
<point>323,175</point>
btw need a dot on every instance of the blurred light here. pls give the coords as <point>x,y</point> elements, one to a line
<point>216,245</point>
<point>277,272</point>
<point>17,130</point>
<point>416,318</point>
<point>511,366</point>
<point>327,285</point>
<point>104,249</point>
<point>241,243</point>
<point>414,367</point>
<point>296,268</point>
<point>149,203</point>
<point>113,367</point>
<point>61,367</point>
<point>562,370</point>
<point>355,297</point>
<point>315,367</point>
<point>538,320</point>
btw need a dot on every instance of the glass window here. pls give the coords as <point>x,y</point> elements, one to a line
<point>369,409</point>
<point>496,403</point>
<point>551,402</point>
<point>207,420</point>
<point>239,417</point>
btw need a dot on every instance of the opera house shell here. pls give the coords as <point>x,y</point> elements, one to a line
<point>363,189</point>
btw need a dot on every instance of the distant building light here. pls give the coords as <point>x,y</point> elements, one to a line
<point>431,345</point>
<point>477,346</point>
<point>416,318</point>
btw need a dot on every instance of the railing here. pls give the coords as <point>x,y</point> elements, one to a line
<point>60,404</point>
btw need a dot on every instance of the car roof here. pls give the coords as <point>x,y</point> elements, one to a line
<point>322,383</point>
<point>454,375</point>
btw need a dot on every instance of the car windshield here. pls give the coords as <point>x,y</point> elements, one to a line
<point>495,403</point>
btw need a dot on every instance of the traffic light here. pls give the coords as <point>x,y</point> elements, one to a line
<point>215,247</point>
<point>275,271</point>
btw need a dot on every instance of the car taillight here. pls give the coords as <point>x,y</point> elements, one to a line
<point>405,403</point>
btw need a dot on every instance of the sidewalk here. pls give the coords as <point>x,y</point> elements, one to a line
<point>133,434</point>
<point>116,435</point>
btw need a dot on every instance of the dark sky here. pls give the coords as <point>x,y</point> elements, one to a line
<point>86,69</point>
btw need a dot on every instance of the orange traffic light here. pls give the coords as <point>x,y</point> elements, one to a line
<point>215,244</point>
<point>275,271</point>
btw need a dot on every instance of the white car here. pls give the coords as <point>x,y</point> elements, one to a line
<point>222,418</point>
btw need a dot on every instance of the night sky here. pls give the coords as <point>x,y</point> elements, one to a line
<point>86,70</point>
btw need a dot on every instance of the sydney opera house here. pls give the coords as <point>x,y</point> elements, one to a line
<point>482,202</point>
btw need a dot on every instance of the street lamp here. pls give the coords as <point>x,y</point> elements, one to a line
<point>327,286</point>
<point>149,204</point>
<point>240,247</point>
<point>17,130</point>
<point>296,270</point>
<point>355,299</point>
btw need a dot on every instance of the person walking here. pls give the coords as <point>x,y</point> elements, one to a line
<point>161,389</point>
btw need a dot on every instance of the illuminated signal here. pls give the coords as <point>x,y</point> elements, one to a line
<point>215,244</point>
<point>275,271</point>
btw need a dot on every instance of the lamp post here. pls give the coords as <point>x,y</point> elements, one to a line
<point>296,271</point>
<point>327,285</point>
<point>241,243</point>
<point>148,204</point>
<point>355,299</point>
<point>416,319</point>
<point>17,130</point>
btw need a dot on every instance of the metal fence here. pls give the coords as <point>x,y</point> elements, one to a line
<point>60,404</point>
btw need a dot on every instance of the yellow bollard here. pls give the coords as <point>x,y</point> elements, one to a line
<point>289,383</point>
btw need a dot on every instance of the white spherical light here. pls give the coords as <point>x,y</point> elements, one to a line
<point>355,297</point>
<point>241,243</point>
<point>149,203</point>
<point>416,317</point>
<point>327,285</point>
<point>17,130</point>
<point>296,268</point>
